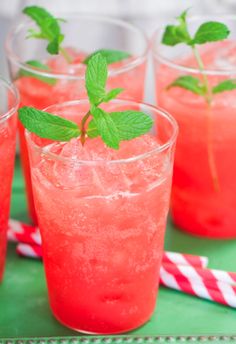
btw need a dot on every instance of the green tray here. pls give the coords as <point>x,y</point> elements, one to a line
<point>25,316</point>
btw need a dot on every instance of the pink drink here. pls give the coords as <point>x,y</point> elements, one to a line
<point>101,33</point>
<point>204,185</point>
<point>8,108</point>
<point>102,215</point>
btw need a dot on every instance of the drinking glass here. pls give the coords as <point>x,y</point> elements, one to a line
<point>9,101</point>
<point>204,183</point>
<point>84,34</point>
<point>102,216</point>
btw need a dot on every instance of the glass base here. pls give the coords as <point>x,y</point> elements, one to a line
<point>100,333</point>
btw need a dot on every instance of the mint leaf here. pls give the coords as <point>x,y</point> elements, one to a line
<point>110,55</point>
<point>48,126</point>
<point>210,32</point>
<point>131,123</point>
<point>189,83</point>
<point>96,78</point>
<point>175,34</point>
<point>226,85</point>
<point>112,94</point>
<point>106,127</point>
<point>38,65</point>
<point>48,25</point>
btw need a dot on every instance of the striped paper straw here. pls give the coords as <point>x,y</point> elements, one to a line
<point>195,284</point>
<point>185,259</point>
<point>27,250</point>
<point>205,274</point>
<point>21,232</point>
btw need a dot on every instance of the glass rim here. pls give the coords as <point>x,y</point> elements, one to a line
<point>13,57</point>
<point>12,88</point>
<point>156,43</point>
<point>161,112</point>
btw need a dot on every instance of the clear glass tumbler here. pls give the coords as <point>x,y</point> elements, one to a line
<point>102,216</point>
<point>83,35</point>
<point>9,101</point>
<point>204,183</point>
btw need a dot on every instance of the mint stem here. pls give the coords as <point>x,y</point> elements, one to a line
<point>211,159</point>
<point>83,129</point>
<point>208,98</point>
<point>66,55</point>
<point>201,67</point>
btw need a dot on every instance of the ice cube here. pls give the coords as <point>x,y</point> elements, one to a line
<point>92,170</point>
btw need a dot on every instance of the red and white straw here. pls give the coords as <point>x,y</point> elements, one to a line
<point>184,259</point>
<point>21,232</point>
<point>196,273</point>
<point>194,284</point>
<point>27,250</point>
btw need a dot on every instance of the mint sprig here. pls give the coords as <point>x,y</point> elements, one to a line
<point>96,78</point>
<point>48,25</point>
<point>50,30</point>
<point>175,34</point>
<point>38,66</point>
<point>112,127</point>
<point>207,32</point>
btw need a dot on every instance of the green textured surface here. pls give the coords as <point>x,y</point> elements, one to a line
<point>24,311</point>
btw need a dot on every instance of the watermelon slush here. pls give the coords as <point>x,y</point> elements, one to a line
<point>204,186</point>
<point>102,216</point>
<point>8,121</point>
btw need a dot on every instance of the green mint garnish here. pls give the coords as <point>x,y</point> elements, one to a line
<point>110,55</point>
<point>50,31</point>
<point>207,32</point>
<point>47,126</point>
<point>38,65</point>
<point>226,85</point>
<point>129,124</point>
<point>175,34</point>
<point>111,127</point>
<point>105,127</point>
<point>49,28</point>
<point>95,80</point>
<point>210,32</point>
